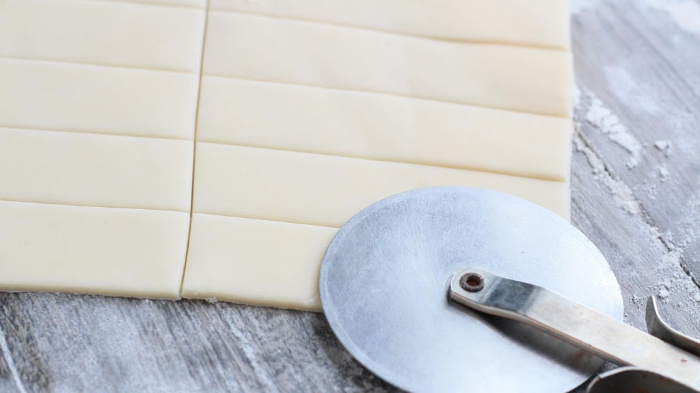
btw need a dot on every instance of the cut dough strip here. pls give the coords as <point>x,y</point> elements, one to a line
<point>95,170</point>
<point>542,23</point>
<point>278,50</point>
<point>381,127</point>
<point>94,32</point>
<point>328,190</point>
<point>94,99</point>
<point>118,252</point>
<point>255,262</point>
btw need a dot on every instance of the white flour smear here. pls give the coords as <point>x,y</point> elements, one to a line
<point>684,13</point>
<point>677,288</point>
<point>5,349</point>
<point>608,123</point>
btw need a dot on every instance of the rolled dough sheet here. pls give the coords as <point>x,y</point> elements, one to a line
<point>120,252</point>
<point>272,49</point>
<point>97,99</point>
<point>328,190</point>
<point>94,32</point>
<point>255,261</point>
<point>312,122</point>
<point>95,170</point>
<point>83,69</point>
<point>302,123</point>
<point>382,127</point>
<point>521,22</point>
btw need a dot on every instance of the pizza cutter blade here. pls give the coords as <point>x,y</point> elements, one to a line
<point>385,278</point>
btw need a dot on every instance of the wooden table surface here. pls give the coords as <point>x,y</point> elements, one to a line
<point>636,194</point>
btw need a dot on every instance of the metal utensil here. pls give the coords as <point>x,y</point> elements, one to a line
<point>396,277</point>
<point>385,276</point>
<point>652,359</point>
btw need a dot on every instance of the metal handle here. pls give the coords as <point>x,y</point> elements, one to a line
<point>659,328</point>
<point>574,323</point>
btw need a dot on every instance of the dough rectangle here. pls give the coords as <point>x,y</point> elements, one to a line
<point>95,170</point>
<point>255,262</point>
<point>103,32</point>
<point>328,190</point>
<point>95,99</point>
<point>382,127</point>
<point>118,252</point>
<point>542,23</point>
<point>279,50</point>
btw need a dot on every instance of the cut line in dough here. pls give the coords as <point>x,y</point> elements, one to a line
<point>255,262</point>
<point>94,99</point>
<point>95,170</point>
<point>495,76</point>
<point>328,190</point>
<point>519,22</point>
<point>93,32</point>
<point>381,127</point>
<point>117,252</point>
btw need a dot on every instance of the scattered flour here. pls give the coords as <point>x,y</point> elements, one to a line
<point>621,193</point>
<point>677,287</point>
<point>684,13</point>
<point>627,86</point>
<point>664,146</point>
<point>608,123</point>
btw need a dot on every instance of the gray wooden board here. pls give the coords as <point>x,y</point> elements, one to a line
<point>638,77</point>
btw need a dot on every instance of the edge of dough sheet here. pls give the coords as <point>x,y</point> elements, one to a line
<point>255,262</point>
<point>91,250</point>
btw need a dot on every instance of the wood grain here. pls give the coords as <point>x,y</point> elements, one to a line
<point>638,77</point>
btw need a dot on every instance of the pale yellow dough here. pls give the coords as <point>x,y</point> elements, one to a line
<point>523,22</point>
<point>96,99</point>
<point>328,190</point>
<point>95,170</point>
<point>382,127</point>
<point>307,112</point>
<point>256,262</point>
<point>97,109</point>
<point>119,252</point>
<point>278,50</point>
<point>93,32</point>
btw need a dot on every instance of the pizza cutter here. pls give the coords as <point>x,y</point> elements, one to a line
<point>467,290</point>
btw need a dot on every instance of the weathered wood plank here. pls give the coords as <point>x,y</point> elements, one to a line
<point>637,62</point>
<point>10,380</point>
<point>67,343</point>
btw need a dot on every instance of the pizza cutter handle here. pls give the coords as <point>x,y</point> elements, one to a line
<point>574,323</point>
<point>658,327</point>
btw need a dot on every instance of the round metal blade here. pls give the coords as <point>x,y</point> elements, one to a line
<point>384,283</point>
